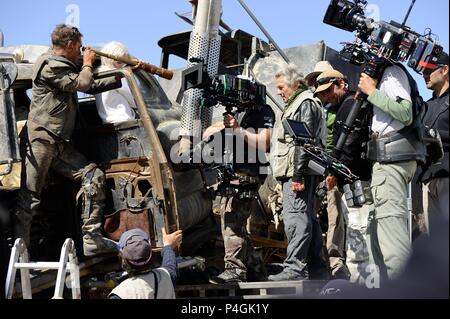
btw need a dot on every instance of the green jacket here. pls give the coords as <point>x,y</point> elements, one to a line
<point>54,103</point>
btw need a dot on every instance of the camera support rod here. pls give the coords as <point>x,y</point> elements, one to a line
<point>348,126</point>
<point>261,27</point>
<point>407,14</point>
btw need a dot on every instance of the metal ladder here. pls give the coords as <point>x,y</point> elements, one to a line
<point>68,262</point>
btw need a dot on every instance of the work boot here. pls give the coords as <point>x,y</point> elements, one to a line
<point>229,276</point>
<point>96,244</point>
<point>286,276</point>
<point>93,191</point>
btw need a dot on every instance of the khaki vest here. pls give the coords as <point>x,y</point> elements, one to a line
<point>142,286</point>
<point>284,153</point>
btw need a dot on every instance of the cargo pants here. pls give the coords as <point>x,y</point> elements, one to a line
<point>388,233</point>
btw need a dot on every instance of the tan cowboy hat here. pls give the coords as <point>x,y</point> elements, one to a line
<point>320,67</point>
<point>326,79</point>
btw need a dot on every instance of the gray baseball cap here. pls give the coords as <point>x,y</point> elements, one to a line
<point>135,247</point>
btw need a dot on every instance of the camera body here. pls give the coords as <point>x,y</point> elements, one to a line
<point>237,185</point>
<point>391,41</point>
<point>322,163</point>
<point>232,91</point>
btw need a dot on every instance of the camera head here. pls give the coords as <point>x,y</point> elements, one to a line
<point>230,90</point>
<point>391,41</point>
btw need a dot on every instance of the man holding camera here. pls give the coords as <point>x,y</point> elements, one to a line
<point>303,232</point>
<point>394,149</point>
<point>252,131</point>
<point>332,90</point>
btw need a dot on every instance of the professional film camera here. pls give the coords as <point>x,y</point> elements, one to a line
<point>237,185</point>
<point>392,41</point>
<point>237,94</point>
<point>378,45</point>
<point>322,163</point>
<point>232,91</point>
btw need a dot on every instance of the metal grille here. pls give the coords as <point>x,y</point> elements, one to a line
<point>191,111</point>
<point>213,67</point>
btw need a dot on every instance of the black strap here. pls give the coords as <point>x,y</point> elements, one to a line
<point>156,285</point>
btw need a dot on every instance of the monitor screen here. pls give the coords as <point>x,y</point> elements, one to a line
<point>298,129</point>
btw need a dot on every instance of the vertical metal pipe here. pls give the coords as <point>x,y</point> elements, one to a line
<point>204,45</point>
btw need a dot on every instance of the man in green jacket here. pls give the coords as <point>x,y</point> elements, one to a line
<point>51,121</point>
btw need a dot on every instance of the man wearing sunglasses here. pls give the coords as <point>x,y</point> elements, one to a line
<point>435,177</point>
<point>45,142</point>
<point>337,99</point>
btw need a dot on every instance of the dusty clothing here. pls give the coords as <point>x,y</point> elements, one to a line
<point>357,254</point>
<point>238,245</point>
<point>54,104</point>
<point>45,145</point>
<point>302,229</point>
<point>239,250</point>
<point>304,252</point>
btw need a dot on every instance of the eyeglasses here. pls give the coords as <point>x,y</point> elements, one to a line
<point>75,32</point>
<point>428,71</point>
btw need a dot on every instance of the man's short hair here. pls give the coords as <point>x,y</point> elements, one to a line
<point>64,33</point>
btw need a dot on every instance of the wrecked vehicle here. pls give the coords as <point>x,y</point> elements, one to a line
<point>144,187</point>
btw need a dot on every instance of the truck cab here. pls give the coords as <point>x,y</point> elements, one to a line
<point>144,189</point>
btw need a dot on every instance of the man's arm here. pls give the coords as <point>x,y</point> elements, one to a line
<point>258,138</point>
<point>169,262</point>
<point>394,96</point>
<point>63,77</point>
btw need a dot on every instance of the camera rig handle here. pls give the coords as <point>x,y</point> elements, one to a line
<point>374,67</point>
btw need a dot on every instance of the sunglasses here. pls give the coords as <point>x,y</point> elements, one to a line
<point>428,71</point>
<point>326,80</point>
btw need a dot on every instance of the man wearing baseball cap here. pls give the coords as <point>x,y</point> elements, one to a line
<point>143,282</point>
<point>435,177</point>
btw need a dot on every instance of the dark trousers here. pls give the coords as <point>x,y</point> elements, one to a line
<point>304,252</point>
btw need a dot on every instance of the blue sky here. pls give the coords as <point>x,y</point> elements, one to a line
<point>139,24</point>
